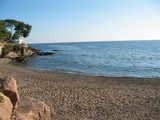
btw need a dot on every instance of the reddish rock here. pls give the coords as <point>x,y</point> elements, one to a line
<point>5,108</point>
<point>9,87</point>
<point>32,109</point>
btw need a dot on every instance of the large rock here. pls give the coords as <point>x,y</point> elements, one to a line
<point>12,55</point>
<point>9,87</point>
<point>5,108</point>
<point>32,109</point>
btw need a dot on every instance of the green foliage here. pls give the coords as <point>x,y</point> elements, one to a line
<point>22,29</point>
<point>10,24</point>
<point>1,99</point>
<point>4,34</point>
<point>6,49</point>
<point>11,29</point>
<point>17,48</point>
<point>16,35</point>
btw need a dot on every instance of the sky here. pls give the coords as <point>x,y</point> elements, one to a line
<point>85,20</point>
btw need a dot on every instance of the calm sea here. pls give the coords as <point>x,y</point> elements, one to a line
<point>128,58</point>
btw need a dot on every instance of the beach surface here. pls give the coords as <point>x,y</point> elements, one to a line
<point>83,97</point>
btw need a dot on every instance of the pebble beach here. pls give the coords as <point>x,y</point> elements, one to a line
<point>83,97</point>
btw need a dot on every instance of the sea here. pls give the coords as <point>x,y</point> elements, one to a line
<point>113,59</point>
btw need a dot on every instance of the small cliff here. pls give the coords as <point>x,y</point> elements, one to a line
<point>16,51</point>
<point>19,52</point>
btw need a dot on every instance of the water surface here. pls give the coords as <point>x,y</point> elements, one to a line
<point>127,58</point>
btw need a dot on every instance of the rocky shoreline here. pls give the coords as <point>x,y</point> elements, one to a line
<point>20,52</point>
<point>83,97</point>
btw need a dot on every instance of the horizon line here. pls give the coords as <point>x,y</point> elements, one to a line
<point>94,41</point>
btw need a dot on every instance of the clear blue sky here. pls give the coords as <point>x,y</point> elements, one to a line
<point>85,20</point>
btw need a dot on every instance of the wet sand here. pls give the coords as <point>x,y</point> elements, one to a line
<point>84,97</point>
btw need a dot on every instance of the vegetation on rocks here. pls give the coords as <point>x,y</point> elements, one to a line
<point>10,32</point>
<point>1,99</point>
<point>10,46</point>
<point>17,48</point>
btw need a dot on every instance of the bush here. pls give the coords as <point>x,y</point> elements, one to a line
<point>1,99</point>
<point>17,48</point>
<point>6,49</point>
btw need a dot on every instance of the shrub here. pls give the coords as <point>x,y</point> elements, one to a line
<point>1,99</point>
<point>17,48</point>
<point>6,49</point>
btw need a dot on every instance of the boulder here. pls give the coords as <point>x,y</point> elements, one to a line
<point>32,109</point>
<point>9,88</point>
<point>5,107</point>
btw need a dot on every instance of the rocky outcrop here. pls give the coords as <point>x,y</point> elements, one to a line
<point>55,50</point>
<point>20,52</point>
<point>5,108</point>
<point>40,53</point>
<point>32,109</point>
<point>28,109</point>
<point>45,53</point>
<point>9,87</point>
<point>12,55</point>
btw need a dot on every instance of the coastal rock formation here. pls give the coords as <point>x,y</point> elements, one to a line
<point>14,50</point>
<point>32,109</point>
<point>9,87</point>
<point>45,53</point>
<point>29,108</point>
<point>5,108</point>
<point>12,55</point>
<point>17,50</point>
<point>20,52</point>
<point>55,50</point>
<point>40,53</point>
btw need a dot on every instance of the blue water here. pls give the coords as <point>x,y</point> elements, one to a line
<point>127,58</point>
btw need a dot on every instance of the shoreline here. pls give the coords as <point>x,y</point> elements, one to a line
<point>79,73</point>
<point>86,74</point>
<point>84,97</point>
